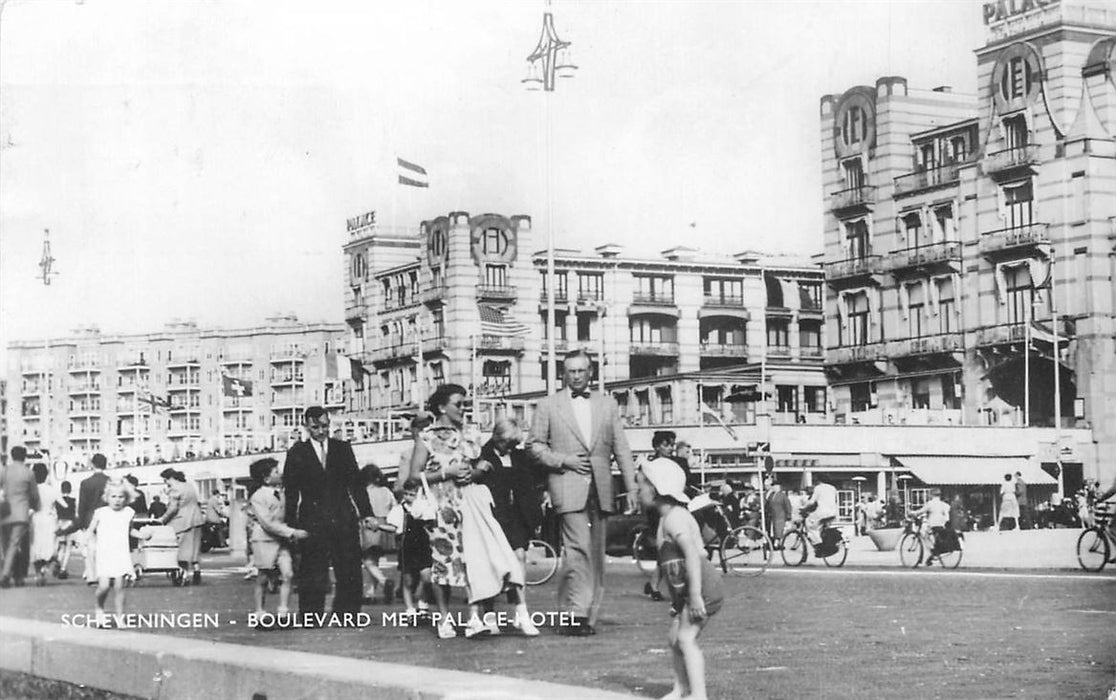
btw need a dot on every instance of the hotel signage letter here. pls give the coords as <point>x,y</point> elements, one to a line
<point>1003,9</point>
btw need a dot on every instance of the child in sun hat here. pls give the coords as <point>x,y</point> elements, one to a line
<point>695,586</point>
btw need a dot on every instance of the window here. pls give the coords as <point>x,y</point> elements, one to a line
<point>809,337</point>
<point>1018,204</point>
<point>561,283</point>
<point>951,392</point>
<point>862,396</point>
<point>654,288</point>
<point>360,270</point>
<point>723,290</point>
<point>852,170</point>
<point>723,331</point>
<point>959,148</point>
<point>920,393</point>
<point>916,310</point>
<point>778,334</point>
<point>787,398</point>
<point>436,279</point>
<point>856,239</point>
<point>912,228</point>
<point>590,286</point>
<point>497,377</point>
<point>927,157</point>
<point>775,292</point>
<point>652,330</point>
<point>858,319</point>
<point>559,325</point>
<point>943,223</point>
<point>494,241</point>
<point>496,275</point>
<point>666,405</point>
<point>1017,78</point>
<point>815,399</point>
<point>1020,294</point>
<point>1015,132</point>
<point>413,279</point>
<point>810,296</point>
<point>854,128</point>
<point>946,305</point>
<point>584,327</point>
<point>643,405</point>
<point>438,322</point>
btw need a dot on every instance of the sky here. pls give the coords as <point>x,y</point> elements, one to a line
<point>199,159</point>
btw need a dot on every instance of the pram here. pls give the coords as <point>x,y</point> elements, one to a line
<point>159,554</point>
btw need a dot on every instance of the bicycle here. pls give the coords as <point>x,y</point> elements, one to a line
<point>795,550</point>
<point>744,550</point>
<point>915,544</point>
<point>541,562</point>
<point>1095,545</point>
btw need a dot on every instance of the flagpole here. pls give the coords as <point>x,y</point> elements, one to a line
<point>420,373</point>
<point>701,432</point>
<point>473,377</point>
<point>1057,383</point>
<point>1027,373</point>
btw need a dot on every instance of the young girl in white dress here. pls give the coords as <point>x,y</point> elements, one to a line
<point>112,562</point>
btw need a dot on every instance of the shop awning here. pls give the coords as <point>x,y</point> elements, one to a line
<point>974,471</point>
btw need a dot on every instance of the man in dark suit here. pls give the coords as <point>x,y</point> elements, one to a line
<point>326,498</point>
<point>575,436</point>
<point>20,497</point>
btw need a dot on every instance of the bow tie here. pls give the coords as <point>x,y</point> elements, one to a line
<point>579,394</point>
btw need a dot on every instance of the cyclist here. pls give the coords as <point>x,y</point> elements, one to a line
<point>823,506</point>
<point>936,512</point>
<point>1101,498</point>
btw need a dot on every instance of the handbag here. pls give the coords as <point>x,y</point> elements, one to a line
<point>424,506</point>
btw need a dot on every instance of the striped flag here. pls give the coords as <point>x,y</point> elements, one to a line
<point>411,175</point>
<point>708,412</point>
<point>497,322</point>
<point>153,402</point>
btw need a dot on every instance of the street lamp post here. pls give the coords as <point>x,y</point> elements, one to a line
<point>549,60</point>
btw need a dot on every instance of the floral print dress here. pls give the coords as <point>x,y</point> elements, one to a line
<point>447,446</point>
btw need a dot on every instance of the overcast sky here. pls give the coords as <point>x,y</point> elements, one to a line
<point>199,159</point>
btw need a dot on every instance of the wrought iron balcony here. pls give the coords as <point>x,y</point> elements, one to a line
<point>561,296</point>
<point>928,345</point>
<point>435,293</point>
<point>846,354</point>
<point>862,197</point>
<point>724,350</point>
<point>660,349</point>
<point>500,343</point>
<point>653,298</point>
<point>853,268</point>
<point>1015,239</point>
<point>590,298</point>
<point>927,179</point>
<point>932,255</point>
<point>355,309</point>
<point>1003,334</point>
<point>497,292</point>
<point>722,301</point>
<point>1010,160</point>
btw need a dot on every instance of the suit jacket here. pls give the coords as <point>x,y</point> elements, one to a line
<point>90,497</point>
<point>320,496</point>
<point>513,489</point>
<point>268,508</point>
<point>779,505</point>
<point>555,439</point>
<point>21,494</point>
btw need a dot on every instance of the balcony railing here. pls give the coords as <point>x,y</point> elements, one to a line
<point>32,389</point>
<point>290,354</point>
<point>1001,335</point>
<point>1010,159</point>
<point>1008,239</point>
<point>724,301</point>
<point>927,345</point>
<point>83,364</point>
<point>590,298</point>
<point>653,298</point>
<point>132,387</point>
<point>392,351</point>
<point>812,351</point>
<point>661,349</point>
<point>134,363</point>
<point>500,292</point>
<point>853,267</point>
<point>85,389</point>
<point>724,350</point>
<point>190,361</point>
<point>356,308</point>
<point>495,342</point>
<point>846,354</point>
<point>281,379</point>
<point>434,293</point>
<point>853,197</point>
<point>930,255</point>
<point>929,178</point>
<point>779,350</point>
<point>560,297</point>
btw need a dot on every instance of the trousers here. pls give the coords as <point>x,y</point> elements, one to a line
<point>336,544</point>
<point>581,583</point>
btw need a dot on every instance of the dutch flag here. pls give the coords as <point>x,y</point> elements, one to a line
<point>411,175</point>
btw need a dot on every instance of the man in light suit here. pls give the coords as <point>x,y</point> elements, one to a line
<point>326,497</point>
<point>20,497</point>
<point>575,436</point>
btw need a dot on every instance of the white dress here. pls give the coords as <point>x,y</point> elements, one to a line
<point>44,522</point>
<point>112,558</point>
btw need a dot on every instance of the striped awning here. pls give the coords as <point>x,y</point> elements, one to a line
<point>974,471</point>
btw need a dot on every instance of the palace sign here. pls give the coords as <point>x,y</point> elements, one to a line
<point>1004,9</point>
<point>362,221</point>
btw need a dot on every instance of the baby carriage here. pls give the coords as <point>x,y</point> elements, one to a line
<point>159,554</point>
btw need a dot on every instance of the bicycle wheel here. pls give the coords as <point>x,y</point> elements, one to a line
<point>541,563</point>
<point>951,560</point>
<point>644,552</point>
<point>1093,549</point>
<point>794,548</point>
<point>910,550</point>
<point>837,558</point>
<point>745,551</point>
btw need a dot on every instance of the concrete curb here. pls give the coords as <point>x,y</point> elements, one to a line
<point>173,668</point>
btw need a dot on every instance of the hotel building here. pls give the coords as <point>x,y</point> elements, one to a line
<point>163,396</point>
<point>969,241</point>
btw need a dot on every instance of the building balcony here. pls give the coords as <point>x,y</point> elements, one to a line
<point>182,408</point>
<point>184,386</point>
<point>77,366</point>
<point>497,292</point>
<point>1010,160</point>
<point>434,343</point>
<point>848,354</point>
<point>1003,334</point>
<point>131,388</point>
<point>853,269</point>
<point>31,369</point>
<point>653,298</point>
<point>560,297</point>
<point>85,412</point>
<point>853,198</point>
<point>356,309</point>
<point>591,299</point>
<point>435,294</point>
<point>183,431</point>
<point>393,351</point>
<point>928,179</point>
<point>287,355</point>
<point>660,349</point>
<point>30,416</point>
<point>724,350</point>
<point>31,390</point>
<point>1012,241</point>
<point>182,363</point>
<point>928,345</point>
<point>334,399</point>
<point>723,301</point>
<point>232,360</point>
<point>933,256</point>
<point>288,401</point>
<point>493,343</point>
<point>778,351</point>
<point>813,352</point>
<point>236,404</point>
<point>393,303</point>
<point>84,390</point>
<point>132,364</point>
<point>287,380</point>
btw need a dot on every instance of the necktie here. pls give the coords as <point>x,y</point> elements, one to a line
<point>579,394</point>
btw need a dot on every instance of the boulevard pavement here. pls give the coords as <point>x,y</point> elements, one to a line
<point>868,630</point>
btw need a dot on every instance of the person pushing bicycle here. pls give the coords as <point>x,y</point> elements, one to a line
<point>936,513</point>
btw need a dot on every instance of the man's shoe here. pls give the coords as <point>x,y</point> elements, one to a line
<point>197,577</point>
<point>647,590</point>
<point>656,596</point>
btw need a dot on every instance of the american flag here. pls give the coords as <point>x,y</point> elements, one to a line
<point>497,322</point>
